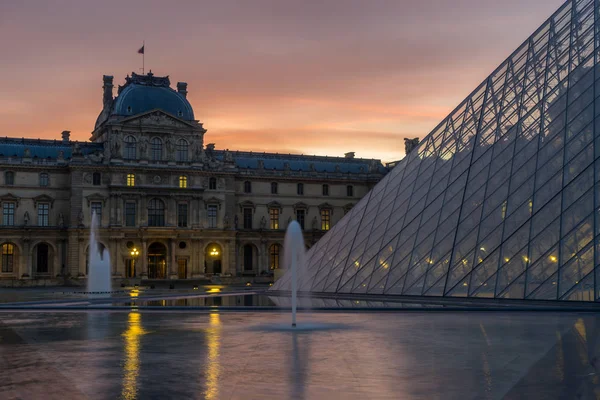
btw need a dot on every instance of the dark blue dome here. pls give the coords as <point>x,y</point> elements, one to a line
<point>143,93</point>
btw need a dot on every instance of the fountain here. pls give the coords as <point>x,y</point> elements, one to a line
<point>99,280</point>
<point>293,252</point>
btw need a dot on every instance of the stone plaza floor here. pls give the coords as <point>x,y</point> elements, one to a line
<point>244,355</point>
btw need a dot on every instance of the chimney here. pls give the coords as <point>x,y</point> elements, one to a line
<point>107,98</point>
<point>349,155</point>
<point>66,135</point>
<point>182,88</point>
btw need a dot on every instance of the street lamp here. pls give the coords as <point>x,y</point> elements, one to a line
<point>134,255</point>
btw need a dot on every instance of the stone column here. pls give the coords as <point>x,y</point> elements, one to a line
<point>118,210</point>
<point>173,273</point>
<point>144,260</point>
<point>143,212</point>
<point>112,208</point>
<point>263,256</point>
<point>27,267</point>
<point>230,257</point>
<point>114,256</point>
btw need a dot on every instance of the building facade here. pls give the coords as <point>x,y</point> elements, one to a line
<point>168,206</point>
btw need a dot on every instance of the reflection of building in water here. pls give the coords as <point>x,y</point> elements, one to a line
<point>131,368</point>
<point>213,365</point>
<point>229,301</point>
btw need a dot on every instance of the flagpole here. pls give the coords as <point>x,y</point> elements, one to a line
<point>144,57</point>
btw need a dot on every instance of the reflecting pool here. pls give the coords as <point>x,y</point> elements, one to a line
<point>215,355</point>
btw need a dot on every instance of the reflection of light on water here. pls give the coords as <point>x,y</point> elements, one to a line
<point>213,337</point>
<point>131,368</point>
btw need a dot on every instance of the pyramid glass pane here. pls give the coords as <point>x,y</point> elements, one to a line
<point>501,200</point>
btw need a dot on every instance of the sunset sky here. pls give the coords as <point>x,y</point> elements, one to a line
<point>314,77</point>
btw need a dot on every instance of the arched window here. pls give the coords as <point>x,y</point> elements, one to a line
<point>130,148</point>
<point>274,251</point>
<point>156,149</point>
<point>156,213</point>
<point>247,187</point>
<point>212,183</point>
<point>9,178</point>
<point>182,181</point>
<point>300,189</point>
<point>8,255</point>
<point>274,188</point>
<point>96,179</point>
<point>182,150</point>
<point>44,179</point>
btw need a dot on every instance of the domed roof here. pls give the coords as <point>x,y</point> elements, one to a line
<point>143,93</point>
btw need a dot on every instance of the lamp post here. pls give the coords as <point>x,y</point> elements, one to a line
<point>134,255</point>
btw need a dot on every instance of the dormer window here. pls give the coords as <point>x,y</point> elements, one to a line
<point>180,113</point>
<point>128,109</point>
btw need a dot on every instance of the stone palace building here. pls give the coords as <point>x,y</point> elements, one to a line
<point>170,207</point>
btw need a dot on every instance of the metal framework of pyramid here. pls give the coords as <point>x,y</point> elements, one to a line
<point>499,200</point>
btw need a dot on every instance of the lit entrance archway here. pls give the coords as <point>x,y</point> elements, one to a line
<point>213,256</point>
<point>157,261</point>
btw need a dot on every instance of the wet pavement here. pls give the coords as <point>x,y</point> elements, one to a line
<point>212,355</point>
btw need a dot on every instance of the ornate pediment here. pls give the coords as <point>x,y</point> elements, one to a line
<point>247,204</point>
<point>43,198</point>
<point>274,204</point>
<point>9,198</point>
<point>300,206</point>
<point>157,118</point>
<point>325,206</point>
<point>95,197</point>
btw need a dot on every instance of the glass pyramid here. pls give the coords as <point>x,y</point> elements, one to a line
<point>499,200</point>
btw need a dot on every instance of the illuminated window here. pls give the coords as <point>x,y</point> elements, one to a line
<point>8,214</point>
<point>183,181</point>
<point>182,150</point>
<point>43,209</point>
<point>130,148</point>
<point>349,190</point>
<point>212,183</point>
<point>504,209</point>
<point>274,217</point>
<point>325,190</point>
<point>44,179</point>
<point>325,219</point>
<point>274,251</point>
<point>8,254</point>
<point>156,213</point>
<point>156,147</point>
<point>300,189</point>
<point>130,179</point>
<point>274,188</point>
<point>247,187</point>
